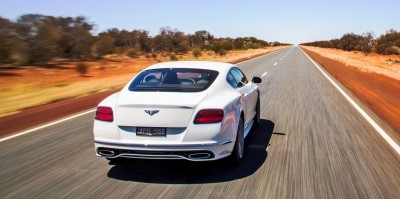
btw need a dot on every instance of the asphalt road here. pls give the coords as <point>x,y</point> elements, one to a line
<point>312,143</point>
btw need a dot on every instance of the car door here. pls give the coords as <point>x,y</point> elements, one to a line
<point>245,89</point>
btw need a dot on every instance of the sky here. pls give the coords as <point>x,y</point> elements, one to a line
<point>289,21</point>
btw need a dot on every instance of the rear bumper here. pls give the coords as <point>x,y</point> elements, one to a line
<point>188,151</point>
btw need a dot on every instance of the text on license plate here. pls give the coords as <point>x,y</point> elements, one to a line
<point>151,131</point>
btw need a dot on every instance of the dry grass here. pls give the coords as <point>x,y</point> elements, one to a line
<point>388,65</point>
<point>32,86</point>
<point>20,97</point>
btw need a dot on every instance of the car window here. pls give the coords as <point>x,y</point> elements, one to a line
<point>240,78</point>
<point>231,80</point>
<point>173,80</point>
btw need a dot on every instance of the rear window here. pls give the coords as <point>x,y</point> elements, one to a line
<point>174,80</point>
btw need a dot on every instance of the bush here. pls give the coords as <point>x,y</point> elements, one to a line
<point>105,45</point>
<point>217,48</point>
<point>173,57</point>
<point>133,53</point>
<point>154,55</point>
<point>222,52</point>
<point>81,68</point>
<point>148,56</point>
<point>392,50</point>
<point>196,53</point>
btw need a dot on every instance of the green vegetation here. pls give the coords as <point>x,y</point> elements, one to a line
<point>386,44</point>
<point>104,44</point>
<point>35,39</point>
<point>173,57</point>
<point>196,52</point>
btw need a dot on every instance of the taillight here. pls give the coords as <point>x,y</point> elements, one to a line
<point>104,114</point>
<point>209,116</point>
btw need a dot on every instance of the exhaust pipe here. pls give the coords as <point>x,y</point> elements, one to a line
<point>106,152</point>
<point>199,155</point>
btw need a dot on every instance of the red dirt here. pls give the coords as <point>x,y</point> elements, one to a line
<point>379,92</point>
<point>41,114</point>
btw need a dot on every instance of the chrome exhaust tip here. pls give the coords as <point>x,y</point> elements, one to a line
<point>199,155</point>
<point>106,152</point>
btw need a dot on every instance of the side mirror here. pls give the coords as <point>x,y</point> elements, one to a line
<point>256,80</point>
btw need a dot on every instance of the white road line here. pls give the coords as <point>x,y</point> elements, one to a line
<point>275,64</point>
<point>264,74</point>
<point>381,132</point>
<point>47,125</point>
<point>90,111</point>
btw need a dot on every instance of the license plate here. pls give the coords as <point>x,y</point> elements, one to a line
<point>151,131</point>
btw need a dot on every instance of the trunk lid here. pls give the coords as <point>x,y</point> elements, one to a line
<point>156,109</point>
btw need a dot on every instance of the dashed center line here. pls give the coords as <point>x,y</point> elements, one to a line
<point>264,74</point>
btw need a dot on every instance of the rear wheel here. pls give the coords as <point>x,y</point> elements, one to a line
<point>238,149</point>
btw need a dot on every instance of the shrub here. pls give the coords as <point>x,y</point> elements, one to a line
<point>196,52</point>
<point>132,53</point>
<point>217,48</point>
<point>105,45</point>
<point>392,50</point>
<point>154,55</point>
<point>222,52</point>
<point>173,57</point>
<point>81,68</point>
<point>148,56</point>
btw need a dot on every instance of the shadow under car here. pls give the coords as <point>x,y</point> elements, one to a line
<point>186,172</point>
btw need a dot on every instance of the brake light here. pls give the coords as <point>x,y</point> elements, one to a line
<point>104,114</point>
<point>208,116</point>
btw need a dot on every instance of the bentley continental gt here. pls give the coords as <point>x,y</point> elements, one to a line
<point>193,110</point>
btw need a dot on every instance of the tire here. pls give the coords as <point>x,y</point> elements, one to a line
<point>238,149</point>
<point>258,113</point>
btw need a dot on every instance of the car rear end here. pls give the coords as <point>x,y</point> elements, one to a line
<point>152,120</point>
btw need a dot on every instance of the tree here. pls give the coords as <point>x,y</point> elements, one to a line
<point>349,41</point>
<point>35,38</point>
<point>200,38</point>
<point>387,43</point>
<point>367,42</point>
<point>40,37</point>
<point>8,41</point>
<point>105,44</point>
<point>227,44</point>
<point>76,40</point>
<point>43,46</point>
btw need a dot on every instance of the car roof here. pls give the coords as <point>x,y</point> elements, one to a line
<point>217,66</point>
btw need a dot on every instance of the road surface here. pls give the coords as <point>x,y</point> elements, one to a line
<point>312,143</point>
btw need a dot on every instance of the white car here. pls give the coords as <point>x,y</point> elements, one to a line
<point>193,110</point>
